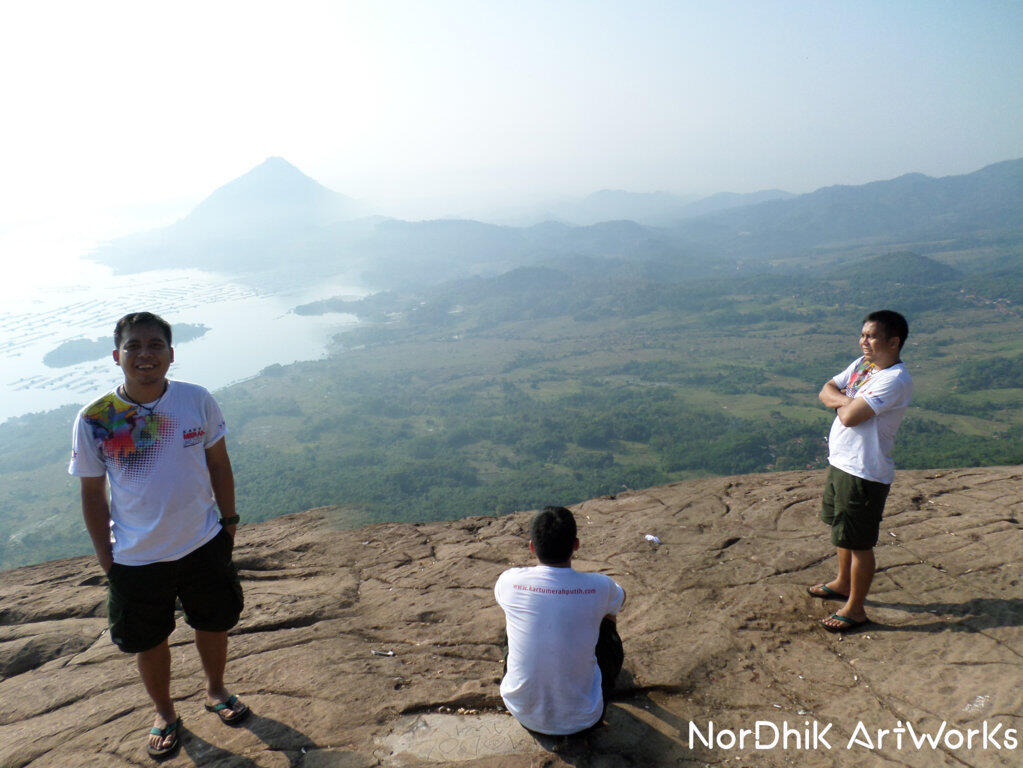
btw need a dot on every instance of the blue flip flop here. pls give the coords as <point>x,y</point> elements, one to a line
<point>847,625</point>
<point>227,713</point>
<point>172,730</point>
<point>829,593</point>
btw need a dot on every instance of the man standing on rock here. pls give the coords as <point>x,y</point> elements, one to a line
<point>161,446</point>
<point>870,398</point>
<point>563,647</point>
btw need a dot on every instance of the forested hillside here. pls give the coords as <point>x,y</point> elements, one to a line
<point>563,382</point>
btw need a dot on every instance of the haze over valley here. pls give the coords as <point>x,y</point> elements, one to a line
<point>467,367</point>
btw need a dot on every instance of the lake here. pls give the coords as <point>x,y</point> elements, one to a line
<point>251,326</point>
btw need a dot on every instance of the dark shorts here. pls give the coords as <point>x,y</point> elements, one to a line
<point>141,598</point>
<point>853,507</point>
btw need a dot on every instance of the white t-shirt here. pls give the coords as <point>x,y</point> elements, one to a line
<point>553,618</point>
<point>865,450</point>
<point>154,457</point>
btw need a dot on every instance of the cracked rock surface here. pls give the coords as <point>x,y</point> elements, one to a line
<point>382,646</point>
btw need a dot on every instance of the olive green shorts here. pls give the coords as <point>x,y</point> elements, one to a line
<point>141,599</point>
<point>852,507</point>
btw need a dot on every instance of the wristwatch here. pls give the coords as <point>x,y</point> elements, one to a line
<point>233,520</point>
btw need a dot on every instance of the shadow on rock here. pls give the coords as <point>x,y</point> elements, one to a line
<point>638,732</point>
<point>277,736</point>
<point>201,752</point>
<point>970,616</point>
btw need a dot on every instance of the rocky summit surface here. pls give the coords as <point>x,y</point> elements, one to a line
<point>381,646</point>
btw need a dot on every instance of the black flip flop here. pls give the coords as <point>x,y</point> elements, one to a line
<point>848,625</point>
<point>165,753</point>
<point>829,593</point>
<point>227,713</point>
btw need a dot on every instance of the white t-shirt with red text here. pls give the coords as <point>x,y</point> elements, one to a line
<point>154,457</point>
<point>553,618</point>
<point>865,450</point>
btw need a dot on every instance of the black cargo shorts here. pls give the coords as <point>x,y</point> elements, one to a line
<point>141,598</point>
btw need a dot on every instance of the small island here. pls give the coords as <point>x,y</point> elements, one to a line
<point>85,350</point>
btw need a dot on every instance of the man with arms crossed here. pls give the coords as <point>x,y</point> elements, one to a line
<point>870,398</point>
<point>563,648</point>
<point>160,444</point>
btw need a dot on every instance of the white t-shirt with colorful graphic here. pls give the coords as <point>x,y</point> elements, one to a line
<point>154,457</point>
<point>553,618</point>
<point>865,450</point>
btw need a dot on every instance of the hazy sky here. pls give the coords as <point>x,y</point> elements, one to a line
<point>122,115</point>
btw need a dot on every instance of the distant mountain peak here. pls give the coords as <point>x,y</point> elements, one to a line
<point>274,170</point>
<point>274,193</point>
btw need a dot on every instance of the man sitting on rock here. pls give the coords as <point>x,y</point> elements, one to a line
<point>869,398</point>
<point>564,652</point>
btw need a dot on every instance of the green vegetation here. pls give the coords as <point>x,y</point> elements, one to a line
<point>549,384</point>
<point>564,382</point>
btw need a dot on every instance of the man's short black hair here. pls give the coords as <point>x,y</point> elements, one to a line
<point>553,534</point>
<point>135,319</point>
<point>891,323</point>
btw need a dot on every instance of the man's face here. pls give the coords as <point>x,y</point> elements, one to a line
<point>144,355</point>
<point>875,345</point>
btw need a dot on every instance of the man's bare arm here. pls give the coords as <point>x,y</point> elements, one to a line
<point>851,410</point>
<point>855,412</point>
<point>832,397</point>
<point>222,479</point>
<point>96,511</point>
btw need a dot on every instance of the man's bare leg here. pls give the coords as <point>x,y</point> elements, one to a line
<point>861,570</point>
<point>840,583</point>
<point>212,647</point>
<point>154,668</point>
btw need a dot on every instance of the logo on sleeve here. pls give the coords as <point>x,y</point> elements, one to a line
<point>193,436</point>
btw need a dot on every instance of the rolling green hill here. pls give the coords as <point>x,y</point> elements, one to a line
<point>559,383</point>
